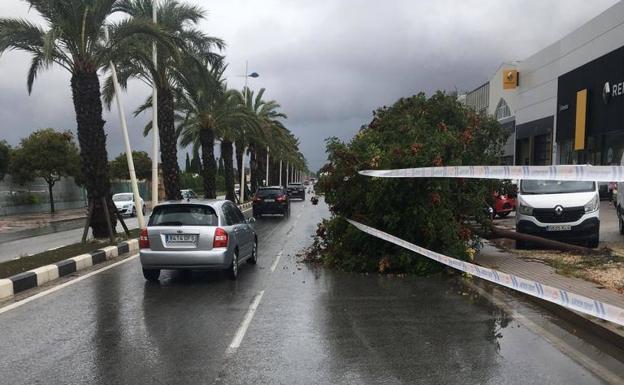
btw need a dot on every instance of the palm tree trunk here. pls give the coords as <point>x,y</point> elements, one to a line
<point>227,155</point>
<point>253,168</point>
<point>168,145</point>
<point>209,166</point>
<point>240,147</point>
<point>92,139</point>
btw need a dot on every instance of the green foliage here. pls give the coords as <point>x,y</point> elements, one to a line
<point>25,198</point>
<point>46,154</point>
<point>5,151</point>
<point>434,213</point>
<point>142,166</point>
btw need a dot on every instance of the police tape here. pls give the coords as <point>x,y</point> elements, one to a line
<point>563,173</point>
<point>555,295</point>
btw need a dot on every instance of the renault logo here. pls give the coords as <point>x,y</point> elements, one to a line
<point>606,93</point>
<point>558,210</point>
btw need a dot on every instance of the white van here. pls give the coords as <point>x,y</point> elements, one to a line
<point>559,210</point>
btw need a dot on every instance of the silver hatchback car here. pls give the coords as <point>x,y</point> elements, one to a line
<point>197,235</point>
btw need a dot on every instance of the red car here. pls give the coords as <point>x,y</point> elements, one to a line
<point>503,204</point>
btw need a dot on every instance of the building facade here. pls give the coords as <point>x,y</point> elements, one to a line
<point>569,108</point>
<point>497,98</point>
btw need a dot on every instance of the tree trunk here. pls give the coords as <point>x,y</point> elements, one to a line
<point>50,185</point>
<point>92,139</point>
<point>240,147</point>
<point>253,168</point>
<point>227,155</point>
<point>209,166</point>
<point>168,145</point>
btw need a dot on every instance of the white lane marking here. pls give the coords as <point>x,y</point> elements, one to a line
<point>242,329</point>
<point>63,285</point>
<point>274,265</point>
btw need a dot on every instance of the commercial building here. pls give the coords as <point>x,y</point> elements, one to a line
<point>568,106</point>
<point>497,97</point>
<point>562,117</point>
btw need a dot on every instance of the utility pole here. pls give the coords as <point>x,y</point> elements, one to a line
<point>280,175</point>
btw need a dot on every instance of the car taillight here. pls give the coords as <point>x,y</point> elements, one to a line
<point>144,240</point>
<point>220,238</point>
<point>281,198</point>
<point>257,199</point>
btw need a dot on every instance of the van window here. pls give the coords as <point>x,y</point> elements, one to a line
<point>555,187</point>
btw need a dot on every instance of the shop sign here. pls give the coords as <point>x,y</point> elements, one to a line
<point>612,90</point>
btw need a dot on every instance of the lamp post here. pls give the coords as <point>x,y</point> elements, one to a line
<point>124,131</point>
<point>242,170</point>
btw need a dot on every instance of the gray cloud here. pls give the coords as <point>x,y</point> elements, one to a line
<point>328,63</point>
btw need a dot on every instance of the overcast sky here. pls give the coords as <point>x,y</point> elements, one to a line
<point>329,63</point>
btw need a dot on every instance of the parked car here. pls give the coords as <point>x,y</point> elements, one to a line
<point>504,204</point>
<point>188,194</point>
<point>271,200</point>
<point>296,190</point>
<point>125,204</point>
<point>560,210</point>
<point>197,235</point>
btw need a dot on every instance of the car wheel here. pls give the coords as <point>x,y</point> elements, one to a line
<point>233,270</point>
<point>254,254</point>
<point>133,214</point>
<point>151,275</point>
<point>143,210</point>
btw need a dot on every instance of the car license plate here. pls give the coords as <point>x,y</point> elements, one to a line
<point>269,200</point>
<point>181,239</point>
<point>559,228</point>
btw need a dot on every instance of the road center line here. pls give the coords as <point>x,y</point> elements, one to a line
<point>274,265</point>
<point>63,285</point>
<point>242,329</point>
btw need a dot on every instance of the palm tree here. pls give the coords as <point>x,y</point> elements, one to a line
<point>257,141</point>
<point>74,39</point>
<point>211,111</point>
<point>180,20</point>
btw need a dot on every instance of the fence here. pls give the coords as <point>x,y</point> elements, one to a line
<point>33,197</point>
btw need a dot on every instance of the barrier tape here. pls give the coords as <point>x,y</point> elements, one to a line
<point>564,173</point>
<point>555,295</point>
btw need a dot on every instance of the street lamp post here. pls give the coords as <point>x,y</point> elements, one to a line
<point>242,170</point>
<point>267,168</point>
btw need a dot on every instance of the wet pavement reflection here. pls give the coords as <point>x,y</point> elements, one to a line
<point>313,326</point>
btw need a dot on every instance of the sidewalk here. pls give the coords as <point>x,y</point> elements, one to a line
<point>511,263</point>
<point>15,223</point>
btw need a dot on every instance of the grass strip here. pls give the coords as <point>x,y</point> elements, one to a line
<point>23,264</point>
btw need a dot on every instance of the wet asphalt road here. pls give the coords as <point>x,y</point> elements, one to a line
<point>311,326</point>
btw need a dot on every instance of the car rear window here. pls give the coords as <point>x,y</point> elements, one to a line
<point>270,192</point>
<point>183,215</point>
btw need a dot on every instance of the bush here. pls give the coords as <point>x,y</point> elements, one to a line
<point>438,214</point>
<point>25,198</point>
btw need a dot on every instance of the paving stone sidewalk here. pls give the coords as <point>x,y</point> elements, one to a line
<point>494,258</point>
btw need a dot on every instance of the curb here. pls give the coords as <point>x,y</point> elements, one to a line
<point>41,275</point>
